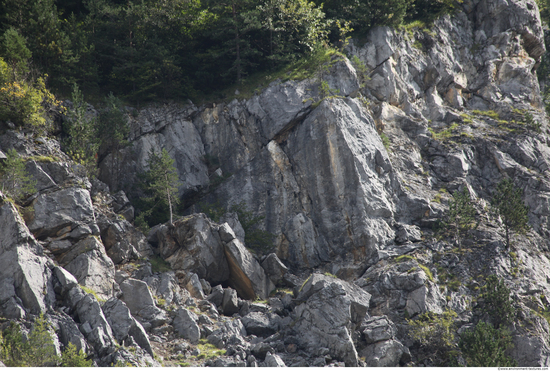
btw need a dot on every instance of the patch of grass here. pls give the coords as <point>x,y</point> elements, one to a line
<point>454,284</point>
<point>403,258</point>
<point>437,197</point>
<point>385,141</point>
<point>410,27</point>
<point>280,291</point>
<point>208,351</point>
<point>490,113</point>
<point>445,133</point>
<point>303,284</point>
<point>42,158</point>
<point>259,300</point>
<point>427,271</point>
<point>160,301</point>
<point>88,290</point>
<point>328,274</point>
<point>418,45</point>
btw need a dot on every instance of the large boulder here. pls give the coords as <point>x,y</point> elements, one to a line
<point>57,210</point>
<point>231,330</point>
<point>154,129</point>
<point>94,325</point>
<point>123,242</point>
<point>327,184</point>
<point>166,286</point>
<point>246,275</point>
<point>25,273</point>
<point>330,312</point>
<point>261,324</point>
<point>90,265</point>
<point>124,325</point>
<point>138,298</point>
<point>185,324</point>
<point>68,332</point>
<point>193,244</point>
<point>274,268</point>
<point>383,349</point>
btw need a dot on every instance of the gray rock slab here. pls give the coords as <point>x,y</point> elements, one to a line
<point>185,324</point>
<point>22,260</point>
<point>330,312</point>
<point>246,275</point>
<point>54,211</point>
<point>194,245</point>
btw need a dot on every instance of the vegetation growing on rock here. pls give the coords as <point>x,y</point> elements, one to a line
<point>507,203</point>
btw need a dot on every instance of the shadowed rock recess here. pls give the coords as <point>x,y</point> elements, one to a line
<point>352,190</point>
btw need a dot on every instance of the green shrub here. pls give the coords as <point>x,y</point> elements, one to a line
<point>485,346</point>
<point>24,102</point>
<point>435,331</point>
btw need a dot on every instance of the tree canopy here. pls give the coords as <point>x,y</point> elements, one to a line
<point>507,202</point>
<point>171,49</point>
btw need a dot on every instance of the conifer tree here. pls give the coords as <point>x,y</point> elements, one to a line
<point>162,180</point>
<point>486,346</point>
<point>508,203</point>
<point>81,143</point>
<point>14,178</point>
<point>461,215</point>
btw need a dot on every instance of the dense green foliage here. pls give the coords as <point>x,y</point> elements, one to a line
<point>486,346</point>
<point>497,301</point>
<point>461,215</point>
<point>37,348</point>
<point>507,202</point>
<point>171,49</point>
<point>24,100</point>
<point>15,181</point>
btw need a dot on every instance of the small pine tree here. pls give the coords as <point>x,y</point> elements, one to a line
<point>12,347</point>
<point>485,346</point>
<point>497,301</point>
<point>508,203</point>
<point>72,357</point>
<point>41,347</point>
<point>161,180</point>
<point>81,143</point>
<point>461,217</point>
<point>37,350</point>
<point>15,49</point>
<point>15,181</point>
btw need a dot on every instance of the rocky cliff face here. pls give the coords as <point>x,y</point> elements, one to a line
<point>458,105</point>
